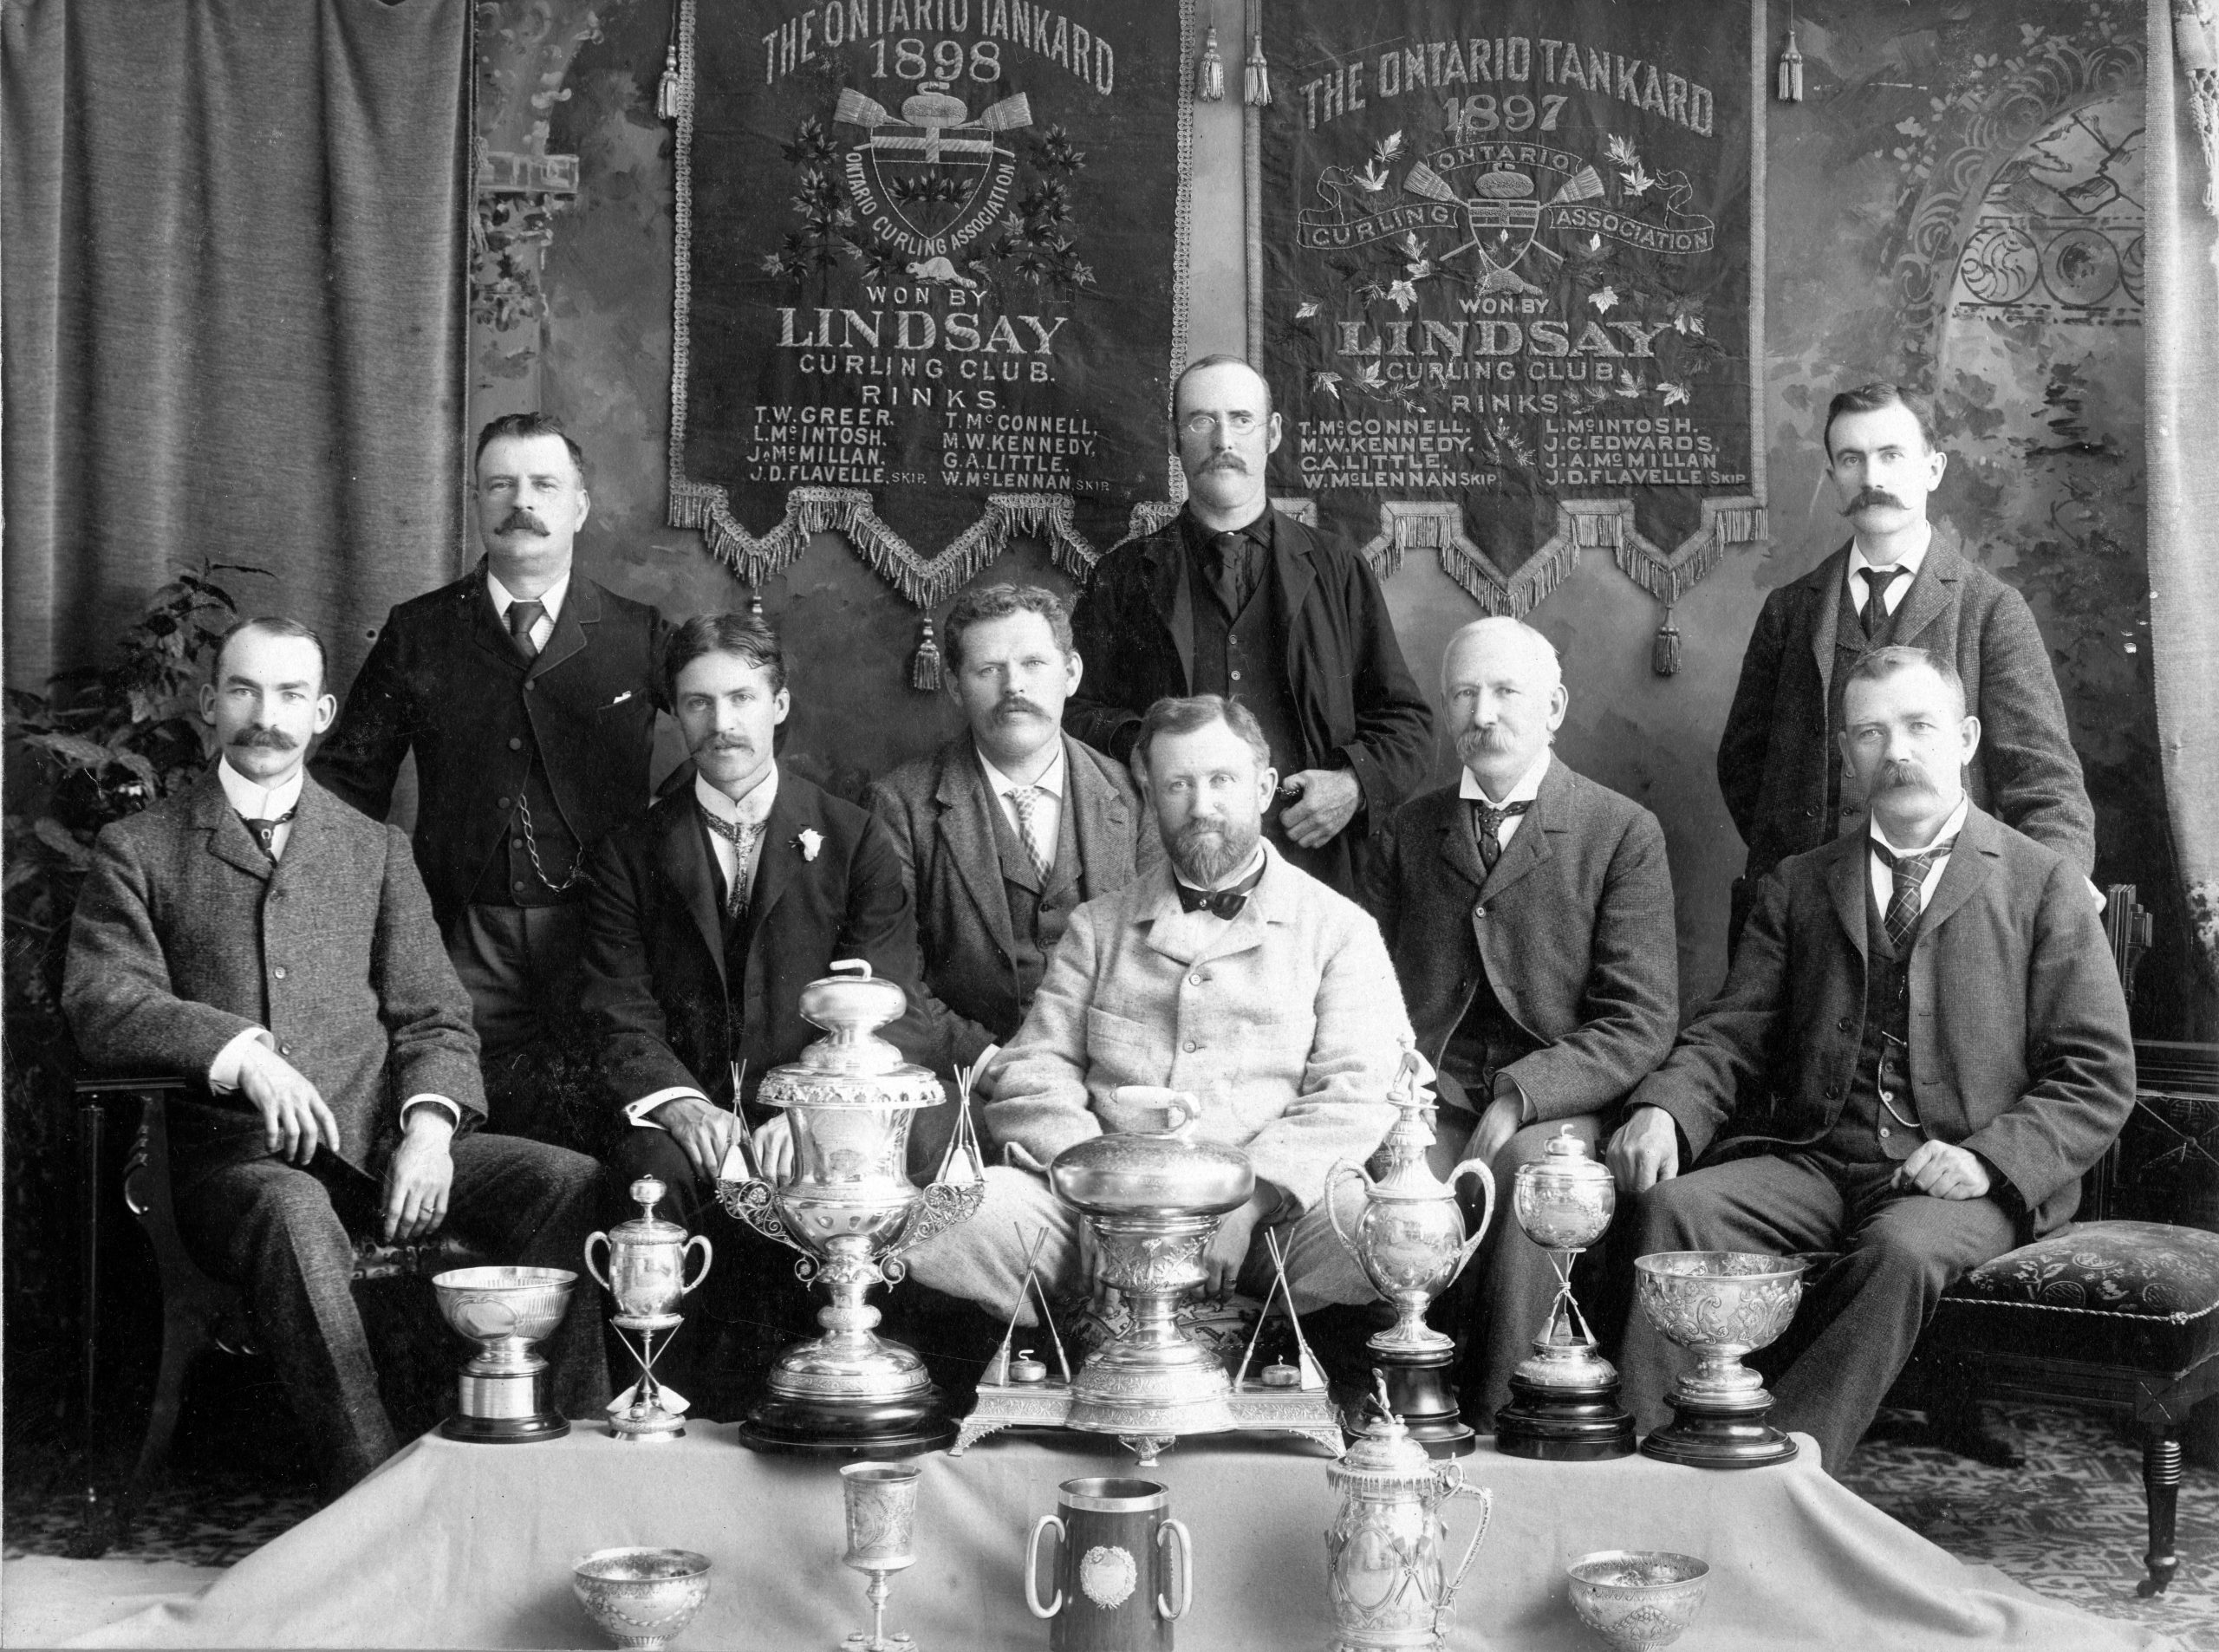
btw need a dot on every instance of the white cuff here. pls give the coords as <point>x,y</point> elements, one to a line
<point>223,1071</point>
<point>454,1113</point>
<point>637,1111</point>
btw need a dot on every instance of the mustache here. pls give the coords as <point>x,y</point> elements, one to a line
<point>721,743</point>
<point>1903,775</point>
<point>522,520</point>
<point>1868,497</point>
<point>1484,739</point>
<point>1227,462</point>
<point>274,739</point>
<point>1016,705</point>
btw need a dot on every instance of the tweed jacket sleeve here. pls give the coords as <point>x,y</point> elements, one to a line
<point>956,1040</point>
<point>422,1001</point>
<point>1040,1105</point>
<point>2034,781</point>
<point>1735,1043</point>
<point>116,989</point>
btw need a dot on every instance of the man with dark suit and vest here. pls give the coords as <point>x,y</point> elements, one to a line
<point>1900,579</point>
<point>1921,1047</point>
<point>1010,824</point>
<point>527,692</point>
<point>1529,913</point>
<point>255,934</point>
<point>1234,598</point>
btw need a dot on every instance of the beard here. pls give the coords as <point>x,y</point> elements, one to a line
<point>1207,850</point>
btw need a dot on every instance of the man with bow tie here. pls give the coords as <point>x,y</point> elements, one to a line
<point>258,935</point>
<point>714,908</point>
<point>1900,580</point>
<point>1234,598</point>
<point>527,692</point>
<point>1529,913</point>
<point>1920,1048</point>
<point>1227,973</point>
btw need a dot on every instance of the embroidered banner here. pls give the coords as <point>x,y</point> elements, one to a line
<point>1512,279</point>
<point>930,267</point>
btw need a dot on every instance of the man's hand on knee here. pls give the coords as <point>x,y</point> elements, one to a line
<point>774,1150</point>
<point>1228,1247</point>
<point>1646,1150</point>
<point>704,1131</point>
<point>420,1178</point>
<point>295,1120</point>
<point>1943,1170</point>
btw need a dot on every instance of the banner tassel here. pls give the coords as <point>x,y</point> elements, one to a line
<point>666,92</point>
<point>1664,653</point>
<point>1791,70</point>
<point>755,603</point>
<point>924,666</point>
<point>1258,79</point>
<point>1209,73</point>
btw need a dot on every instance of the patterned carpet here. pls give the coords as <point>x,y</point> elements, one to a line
<point>2070,1524</point>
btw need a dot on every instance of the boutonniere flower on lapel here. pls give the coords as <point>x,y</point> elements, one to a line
<point>809,842</point>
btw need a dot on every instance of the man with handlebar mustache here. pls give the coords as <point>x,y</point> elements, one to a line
<point>527,692</point>
<point>1901,579</point>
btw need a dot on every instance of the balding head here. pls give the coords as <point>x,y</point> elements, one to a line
<point>1505,696</point>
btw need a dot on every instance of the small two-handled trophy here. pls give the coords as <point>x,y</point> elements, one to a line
<point>645,1278</point>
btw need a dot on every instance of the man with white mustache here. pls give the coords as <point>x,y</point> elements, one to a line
<point>1921,1047</point>
<point>1234,598</point>
<point>527,693</point>
<point>1901,579</point>
<point>1227,974</point>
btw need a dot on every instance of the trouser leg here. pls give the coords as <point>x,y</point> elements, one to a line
<point>537,1204</point>
<point>521,968</point>
<point>983,1261</point>
<point>1865,1311</point>
<point>1772,1206</point>
<point>272,1229</point>
<point>1320,1270</point>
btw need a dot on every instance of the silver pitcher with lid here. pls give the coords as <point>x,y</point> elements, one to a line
<point>1387,1550</point>
<point>849,1207</point>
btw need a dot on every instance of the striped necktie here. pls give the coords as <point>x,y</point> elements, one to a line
<point>1026,800</point>
<point>1910,872</point>
<point>742,835</point>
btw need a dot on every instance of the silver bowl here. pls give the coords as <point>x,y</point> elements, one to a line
<point>1636,1598</point>
<point>497,1305</point>
<point>1719,1305</point>
<point>641,1597</point>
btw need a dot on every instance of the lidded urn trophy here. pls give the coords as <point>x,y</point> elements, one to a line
<point>1410,1243</point>
<point>847,1206</point>
<point>1564,1398</point>
<point>647,1279</point>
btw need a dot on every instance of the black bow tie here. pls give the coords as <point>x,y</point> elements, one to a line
<point>1226,903</point>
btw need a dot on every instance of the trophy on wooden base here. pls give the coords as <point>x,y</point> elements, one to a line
<point>506,1393</point>
<point>1564,1400</point>
<point>1719,1305</point>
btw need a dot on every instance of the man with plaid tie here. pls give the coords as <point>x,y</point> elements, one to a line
<point>1900,579</point>
<point>526,692</point>
<point>1920,1048</point>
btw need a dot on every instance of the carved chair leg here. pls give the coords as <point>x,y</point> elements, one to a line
<point>2161,1485</point>
<point>185,1335</point>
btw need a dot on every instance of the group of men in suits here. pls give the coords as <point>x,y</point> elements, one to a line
<point>1174,848</point>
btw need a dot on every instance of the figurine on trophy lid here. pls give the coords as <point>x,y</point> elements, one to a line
<point>1564,1400</point>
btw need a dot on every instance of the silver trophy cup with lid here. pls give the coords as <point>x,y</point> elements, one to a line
<point>647,1279</point>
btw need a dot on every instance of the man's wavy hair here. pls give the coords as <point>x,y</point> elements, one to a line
<point>1174,716</point>
<point>742,635</point>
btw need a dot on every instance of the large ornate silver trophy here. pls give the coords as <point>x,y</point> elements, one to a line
<point>1719,1305</point>
<point>850,1209</point>
<point>1152,1201</point>
<point>1564,1400</point>
<point>647,1279</point>
<point>1410,1243</point>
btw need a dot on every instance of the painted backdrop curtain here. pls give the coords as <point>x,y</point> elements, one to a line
<point>231,236</point>
<point>2183,425</point>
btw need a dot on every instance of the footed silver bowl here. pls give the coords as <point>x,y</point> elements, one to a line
<point>1719,1305</point>
<point>1636,1599</point>
<point>641,1597</point>
<point>504,1308</point>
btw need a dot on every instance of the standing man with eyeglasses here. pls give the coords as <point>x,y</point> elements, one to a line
<point>1902,579</point>
<point>1237,598</point>
<point>527,692</point>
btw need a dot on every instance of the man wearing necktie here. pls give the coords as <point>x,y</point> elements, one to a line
<point>1528,910</point>
<point>1920,1048</point>
<point>1226,973</point>
<point>710,912</point>
<point>1900,579</point>
<point>527,692</point>
<point>258,935</point>
<point>1234,598</point>
<point>1006,829</point>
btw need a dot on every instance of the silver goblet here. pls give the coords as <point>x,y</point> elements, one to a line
<point>882,1510</point>
<point>1719,1305</point>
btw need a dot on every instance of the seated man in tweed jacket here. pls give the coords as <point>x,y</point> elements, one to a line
<point>257,933</point>
<point>1227,974</point>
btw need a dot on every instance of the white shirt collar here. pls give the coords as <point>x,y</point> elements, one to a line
<point>752,810</point>
<point>1527,788</point>
<point>257,802</point>
<point>1951,828</point>
<point>550,599</point>
<point>1050,780</point>
<point>1909,562</point>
